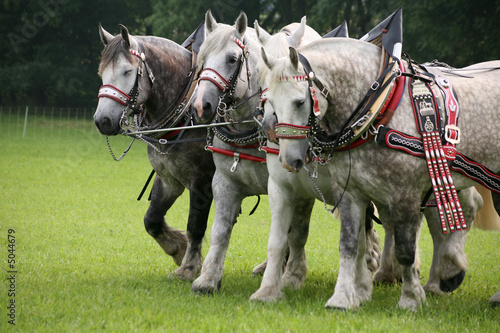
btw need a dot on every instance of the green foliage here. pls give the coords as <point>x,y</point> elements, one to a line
<point>85,262</point>
<point>51,47</point>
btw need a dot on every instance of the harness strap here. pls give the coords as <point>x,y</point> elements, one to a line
<point>428,124</point>
<point>346,134</point>
<point>466,166</point>
<point>270,150</point>
<point>312,78</point>
<point>236,155</point>
<point>232,153</point>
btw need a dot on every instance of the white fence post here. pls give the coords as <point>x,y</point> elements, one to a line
<point>25,122</point>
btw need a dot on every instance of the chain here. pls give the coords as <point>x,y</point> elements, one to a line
<point>247,139</point>
<point>127,127</point>
<point>123,154</point>
<point>316,187</point>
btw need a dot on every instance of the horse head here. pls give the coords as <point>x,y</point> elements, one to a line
<point>120,70</point>
<point>288,90</point>
<point>225,62</point>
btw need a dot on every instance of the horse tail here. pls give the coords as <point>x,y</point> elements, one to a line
<point>487,217</point>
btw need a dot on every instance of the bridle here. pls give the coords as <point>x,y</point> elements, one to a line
<point>350,130</point>
<point>128,100</point>
<point>173,113</point>
<point>227,86</point>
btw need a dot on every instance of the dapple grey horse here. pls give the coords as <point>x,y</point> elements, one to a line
<point>445,275</point>
<point>394,181</point>
<point>178,167</point>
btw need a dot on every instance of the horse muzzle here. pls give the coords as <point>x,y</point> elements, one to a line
<point>106,124</point>
<point>293,166</point>
<point>203,109</point>
<point>293,154</point>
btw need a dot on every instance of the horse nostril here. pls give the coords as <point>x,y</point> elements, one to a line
<point>105,125</point>
<point>207,107</point>
<point>297,165</point>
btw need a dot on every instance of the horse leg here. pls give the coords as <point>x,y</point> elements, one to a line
<point>200,200</point>
<point>495,299</point>
<point>390,271</point>
<point>296,267</point>
<point>172,241</point>
<point>354,284</point>
<point>406,220</point>
<point>372,254</point>
<point>282,214</point>
<point>452,258</point>
<point>438,238</point>
<point>227,207</point>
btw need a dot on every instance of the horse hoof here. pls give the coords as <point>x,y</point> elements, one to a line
<point>385,278</point>
<point>452,284</point>
<point>203,291</point>
<point>335,308</point>
<point>206,290</point>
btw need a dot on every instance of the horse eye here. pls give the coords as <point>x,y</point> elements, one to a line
<point>300,102</point>
<point>231,59</point>
<point>127,72</point>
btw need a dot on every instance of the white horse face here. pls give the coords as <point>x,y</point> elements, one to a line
<point>225,63</point>
<point>120,74</point>
<point>292,105</point>
<point>221,56</point>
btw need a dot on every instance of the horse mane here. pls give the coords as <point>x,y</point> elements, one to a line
<point>343,47</point>
<point>215,42</point>
<point>112,51</point>
<point>281,69</point>
<point>118,46</point>
<point>277,46</point>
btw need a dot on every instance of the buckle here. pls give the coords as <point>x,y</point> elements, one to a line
<point>361,121</point>
<point>375,86</point>
<point>447,137</point>
<point>236,161</point>
<point>325,92</point>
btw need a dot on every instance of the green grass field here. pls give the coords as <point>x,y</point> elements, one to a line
<point>85,263</point>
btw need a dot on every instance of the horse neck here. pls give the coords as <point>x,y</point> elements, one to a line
<point>349,69</point>
<point>170,64</point>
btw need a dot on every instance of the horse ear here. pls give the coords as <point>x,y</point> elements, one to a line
<point>269,61</point>
<point>294,40</point>
<point>294,58</point>
<point>106,37</point>
<point>131,42</point>
<point>125,34</point>
<point>241,24</point>
<point>262,35</point>
<point>210,22</point>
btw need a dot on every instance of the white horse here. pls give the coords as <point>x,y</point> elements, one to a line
<point>348,68</point>
<point>225,48</point>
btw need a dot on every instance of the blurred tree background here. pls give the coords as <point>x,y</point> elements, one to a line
<point>51,48</point>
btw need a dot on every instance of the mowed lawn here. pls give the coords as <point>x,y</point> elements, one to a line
<point>84,261</point>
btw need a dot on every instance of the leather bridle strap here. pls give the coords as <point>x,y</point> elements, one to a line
<point>114,93</point>
<point>313,79</point>
<point>227,86</point>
